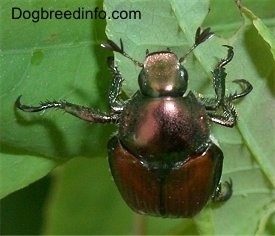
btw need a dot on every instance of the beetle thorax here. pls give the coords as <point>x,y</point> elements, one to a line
<point>158,127</point>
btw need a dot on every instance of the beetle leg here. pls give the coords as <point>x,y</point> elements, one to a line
<point>227,116</point>
<point>115,89</point>
<point>222,196</point>
<point>219,76</point>
<point>84,113</point>
<point>220,109</point>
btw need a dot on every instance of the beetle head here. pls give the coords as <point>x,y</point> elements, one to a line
<point>162,75</point>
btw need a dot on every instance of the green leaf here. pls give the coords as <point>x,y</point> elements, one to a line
<point>50,60</point>
<point>264,151</point>
<point>262,29</point>
<point>17,171</point>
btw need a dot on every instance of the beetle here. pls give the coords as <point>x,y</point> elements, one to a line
<point>162,158</point>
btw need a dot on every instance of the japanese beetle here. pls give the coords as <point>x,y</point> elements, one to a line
<point>163,159</point>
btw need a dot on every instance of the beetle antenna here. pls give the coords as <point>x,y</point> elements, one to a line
<point>200,37</point>
<point>109,44</point>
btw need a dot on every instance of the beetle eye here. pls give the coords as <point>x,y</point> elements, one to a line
<point>183,78</point>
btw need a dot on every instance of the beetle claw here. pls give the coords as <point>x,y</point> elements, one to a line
<point>223,195</point>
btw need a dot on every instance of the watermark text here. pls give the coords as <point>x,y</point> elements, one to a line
<point>79,13</point>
